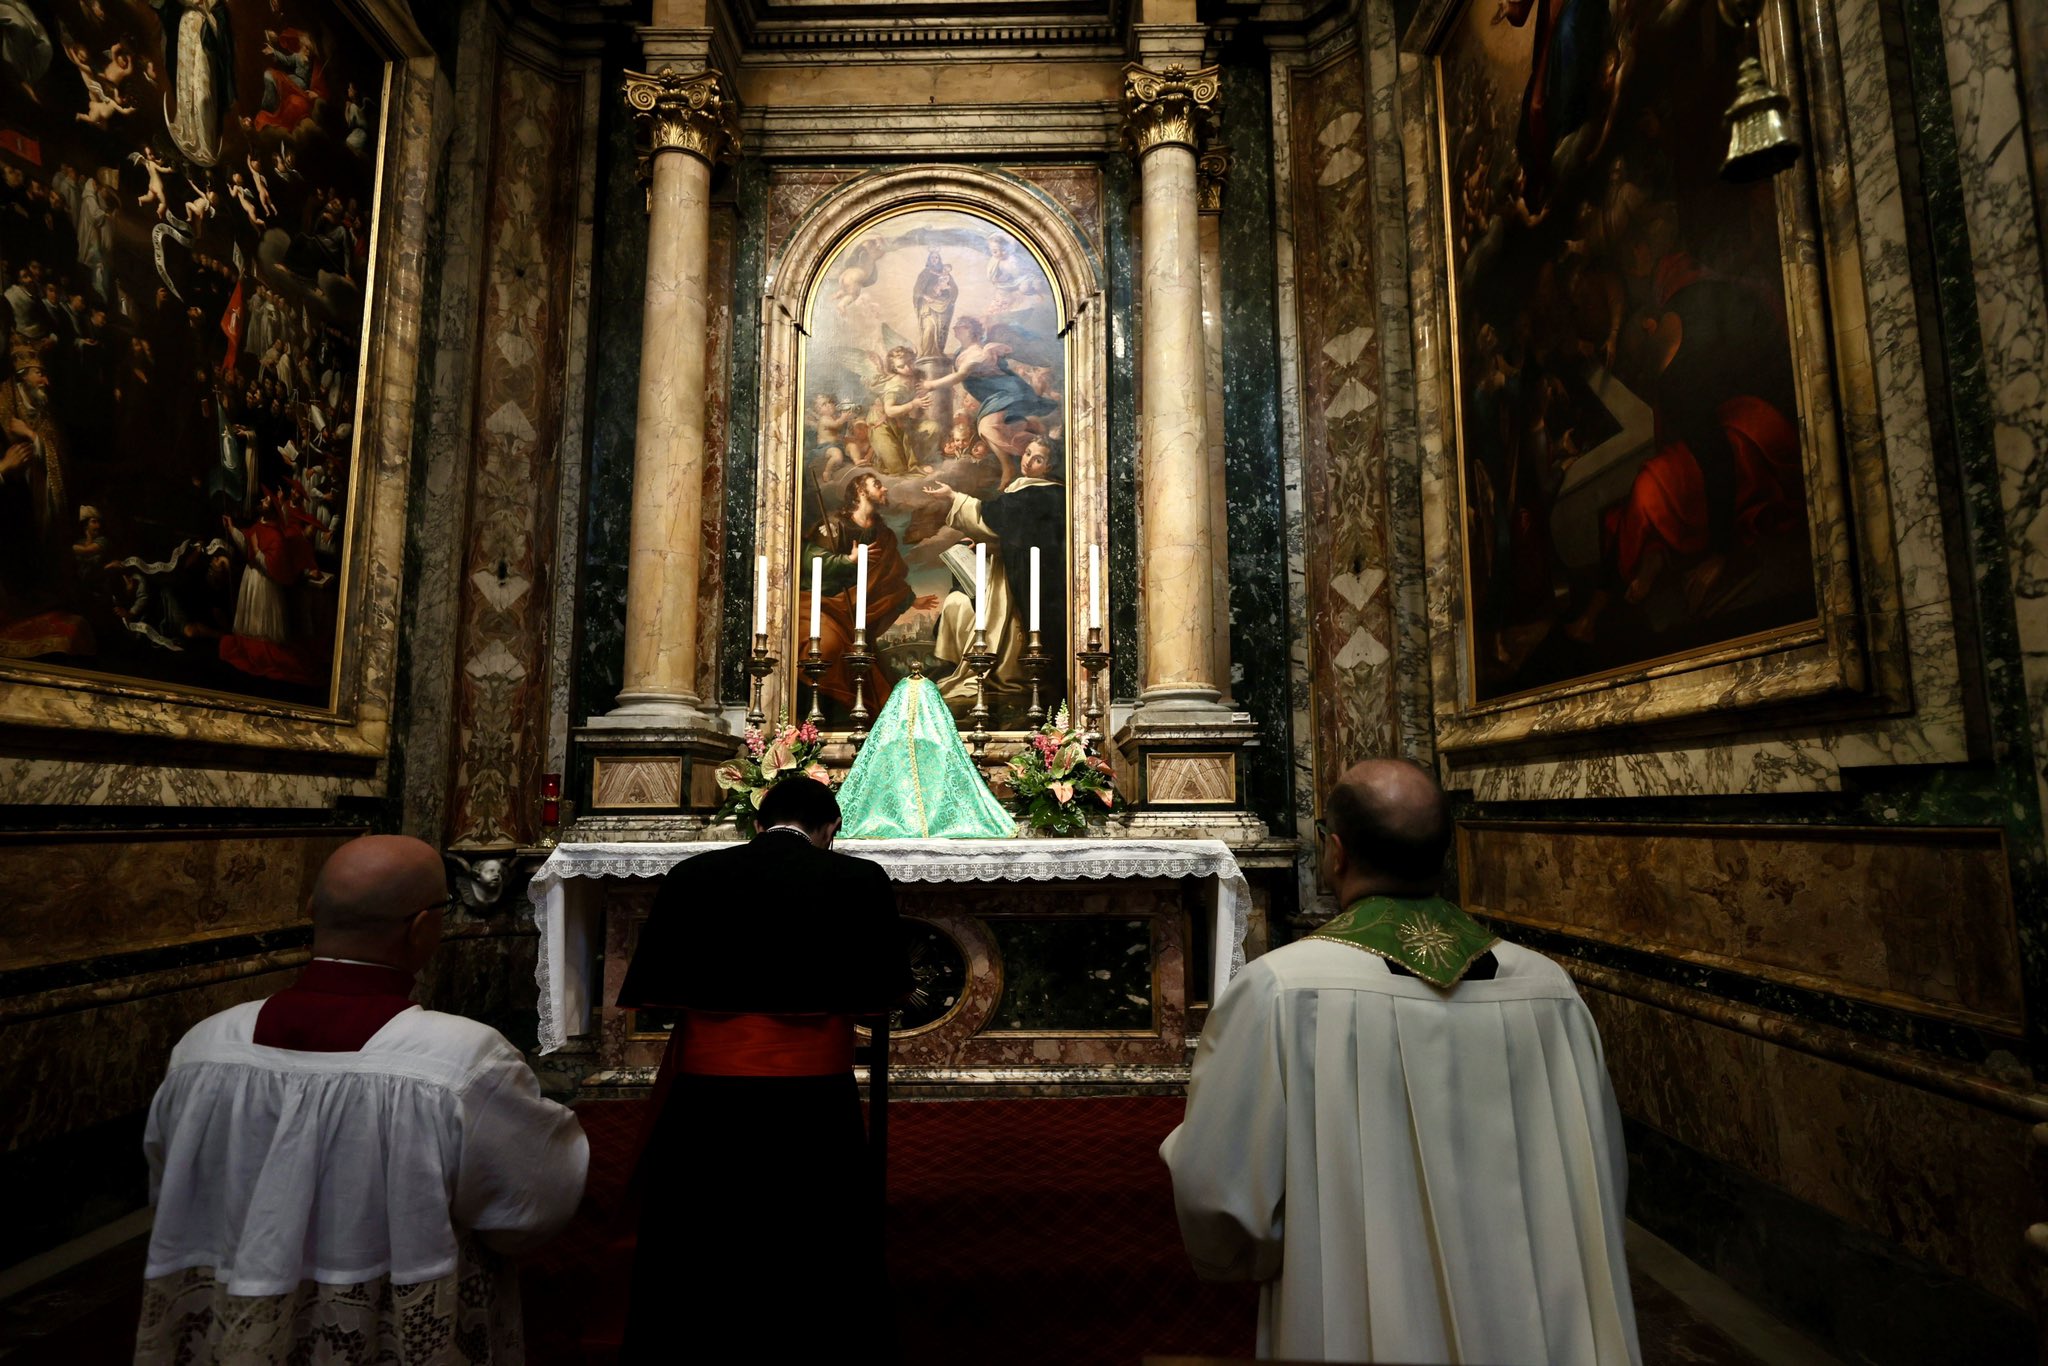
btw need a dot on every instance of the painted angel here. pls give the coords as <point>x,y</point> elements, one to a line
<point>262,187</point>
<point>1017,397</point>
<point>897,405</point>
<point>156,169</point>
<point>857,270</point>
<point>103,86</point>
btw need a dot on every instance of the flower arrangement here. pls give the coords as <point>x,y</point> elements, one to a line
<point>1054,773</point>
<point>791,752</point>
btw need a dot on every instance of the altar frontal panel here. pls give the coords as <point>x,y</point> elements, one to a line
<point>933,418</point>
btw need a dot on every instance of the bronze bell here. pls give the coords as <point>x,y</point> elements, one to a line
<point>1760,141</point>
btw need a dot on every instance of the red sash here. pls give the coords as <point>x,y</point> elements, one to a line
<point>722,1045</point>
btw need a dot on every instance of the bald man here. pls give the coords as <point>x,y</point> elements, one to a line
<point>337,1172</point>
<point>1402,1126</point>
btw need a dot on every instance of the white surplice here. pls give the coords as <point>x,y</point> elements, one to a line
<point>1415,1175</point>
<point>320,1206</point>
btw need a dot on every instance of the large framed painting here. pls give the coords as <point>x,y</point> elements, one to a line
<point>192,194</point>
<point>1648,481</point>
<point>933,419</point>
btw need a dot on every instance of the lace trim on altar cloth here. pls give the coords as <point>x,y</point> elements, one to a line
<point>904,861</point>
<point>470,1317</point>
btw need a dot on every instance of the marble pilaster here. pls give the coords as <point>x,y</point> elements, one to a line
<point>1212,171</point>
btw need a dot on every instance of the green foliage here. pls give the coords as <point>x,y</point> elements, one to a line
<point>1057,781</point>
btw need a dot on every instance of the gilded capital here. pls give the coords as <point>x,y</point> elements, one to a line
<point>1212,173</point>
<point>693,114</point>
<point>1168,108</point>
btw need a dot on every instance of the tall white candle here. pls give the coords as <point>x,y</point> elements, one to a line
<point>817,591</point>
<point>860,588</point>
<point>760,595</point>
<point>981,586</point>
<point>1034,588</point>
<point>1095,587</point>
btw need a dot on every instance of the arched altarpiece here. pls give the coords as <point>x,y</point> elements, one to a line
<point>1049,233</point>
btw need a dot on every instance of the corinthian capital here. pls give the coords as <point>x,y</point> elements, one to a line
<point>1212,173</point>
<point>693,114</point>
<point>1168,108</point>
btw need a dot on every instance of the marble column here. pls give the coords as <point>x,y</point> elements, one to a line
<point>1185,744</point>
<point>650,764</point>
<point>1164,109</point>
<point>1212,171</point>
<point>687,123</point>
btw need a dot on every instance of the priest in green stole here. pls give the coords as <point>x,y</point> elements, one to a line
<point>1403,1126</point>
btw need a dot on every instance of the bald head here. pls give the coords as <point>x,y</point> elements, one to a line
<point>371,892</point>
<point>1392,825</point>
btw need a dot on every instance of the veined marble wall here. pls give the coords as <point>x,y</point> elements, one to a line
<point>1737,899</point>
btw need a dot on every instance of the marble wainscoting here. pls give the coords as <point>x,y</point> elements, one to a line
<point>1836,909</point>
<point>115,943</point>
<point>1883,1217</point>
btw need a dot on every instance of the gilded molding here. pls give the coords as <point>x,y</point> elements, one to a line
<point>1168,108</point>
<point>694,114</point>
<point>1212,176</point>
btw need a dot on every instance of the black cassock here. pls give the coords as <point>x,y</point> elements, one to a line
<point>1035,515</point>
<point>760,1217</point>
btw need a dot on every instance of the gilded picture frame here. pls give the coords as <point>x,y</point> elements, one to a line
<point>344,725</point>
<point>1055,246</point>
<point>1839,646</point>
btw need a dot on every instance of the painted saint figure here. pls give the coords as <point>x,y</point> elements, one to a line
<point>199,62</point>
<point>857,498</point>
<point>1013,397</point>
<point>934,296</point>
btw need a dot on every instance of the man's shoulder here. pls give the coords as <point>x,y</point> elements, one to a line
<point>224,1029</point>
<point>455,1042</point>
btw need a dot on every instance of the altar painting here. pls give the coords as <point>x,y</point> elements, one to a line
<point>1633,487</point>
<point>933,410</point>
<point>187,189</point>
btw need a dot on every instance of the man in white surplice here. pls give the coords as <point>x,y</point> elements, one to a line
<point>335,1170</point>
<point>1403,1126</point>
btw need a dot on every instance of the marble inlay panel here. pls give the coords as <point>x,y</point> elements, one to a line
<point>1344,475</point>
<point>1944,1180</point>
<point>81,896</point>
<point>501,698</point>
<point>792,191</point>
<point>1077,189</point>
<point>1839,909</point>
<point>718,299</point>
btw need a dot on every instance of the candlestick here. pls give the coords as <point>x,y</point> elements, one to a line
<point>981,586</point>
<point>860,588</point>
<point>817,596</point>
<point>857,662</point>
<point>759,665</point>
<point>1094,587</point>
<point>814,665</point>
<point>980,659</point>
<point>760,595</point>
<point>1033,625</point>
<point>1035,660</point>
<point>1094,659</point>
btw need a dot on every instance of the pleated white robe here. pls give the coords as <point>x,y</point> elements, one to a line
<point>1415,1175</point>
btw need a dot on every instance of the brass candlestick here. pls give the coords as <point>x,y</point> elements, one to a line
<point>1094,659</point>
<point>759,665</point>
<point>1035,661</point>
<point>858,661</point>
<point>980,659</point>
<point>813,666</point>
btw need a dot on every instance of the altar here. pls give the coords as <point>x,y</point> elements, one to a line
<point>1080,961</point>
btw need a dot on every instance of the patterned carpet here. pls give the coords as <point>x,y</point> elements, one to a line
<point>1019,1231</point>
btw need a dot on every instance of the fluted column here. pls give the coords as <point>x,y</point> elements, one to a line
<point>1163,110</point>
<point>686,123</point>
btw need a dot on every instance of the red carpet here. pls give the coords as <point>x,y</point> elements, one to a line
<point>1019,1231</point>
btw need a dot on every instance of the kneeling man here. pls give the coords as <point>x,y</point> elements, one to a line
<point>1403,1126</point>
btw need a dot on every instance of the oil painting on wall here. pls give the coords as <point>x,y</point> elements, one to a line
<point>1632,479</point>
<point>186,200</point>
<point>933,395</point>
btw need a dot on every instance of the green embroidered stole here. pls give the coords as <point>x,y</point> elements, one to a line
<point>1429,936</point>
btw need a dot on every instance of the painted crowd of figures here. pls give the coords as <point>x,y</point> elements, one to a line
<point>186,191</point>
<point>957,438</point>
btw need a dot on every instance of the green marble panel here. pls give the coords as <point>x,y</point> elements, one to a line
<point>1069,973</point>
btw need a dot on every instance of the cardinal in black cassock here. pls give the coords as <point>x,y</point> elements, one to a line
<point>756,1178</point>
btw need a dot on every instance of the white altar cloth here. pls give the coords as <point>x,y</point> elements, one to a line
<point>563,916</point>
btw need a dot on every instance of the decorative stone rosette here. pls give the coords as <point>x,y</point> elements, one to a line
<point>694,114</point>
<point>1170,108</point>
